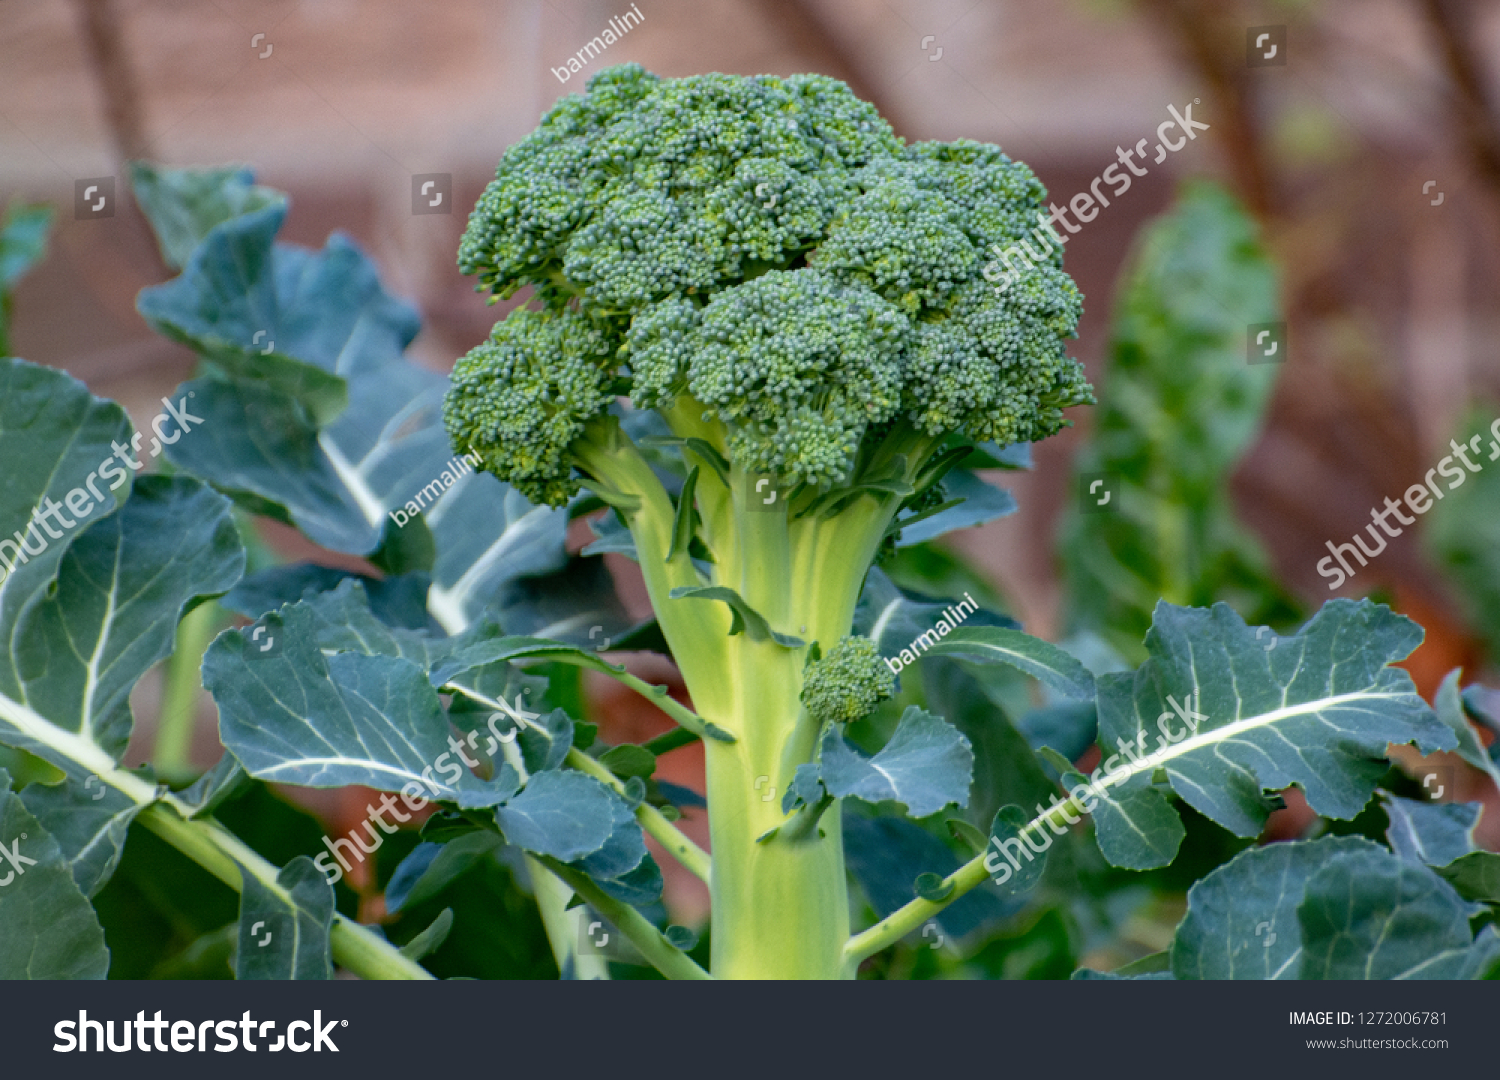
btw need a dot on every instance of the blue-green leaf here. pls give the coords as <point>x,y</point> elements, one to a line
<point>981,502</point>
<point>1371,915</point>
<point>88,820</point>
<point>1242,918</point>
<point>293,715</point>
<point>563,814</point>
<point>183,205</point>
<point>893,618</point>
<point>1449,705</point>
<point>1179,407</point>
<point>397,601</point>
<point>114,612</point>
<point>284,928</point>
<point>886,855</point>
<point>297,321</point>
<point>23,243</point>
<point>47,928</point>
<point>997,645</point>
<point>1023,847</point>
<point>92,602</point>
<point>270,437</point>
<point>1225,721</point>
<point>1430,834</point>
<point>429,868</point>
<point>927,764</point>
<point>614,536</point>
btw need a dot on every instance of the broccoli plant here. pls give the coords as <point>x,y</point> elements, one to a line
<point>801,299</point>
<point>762,353</point>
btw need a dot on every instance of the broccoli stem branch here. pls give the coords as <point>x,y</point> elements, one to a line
<point>696,632</point>
<point>969,876</point>
<point>658,951</point>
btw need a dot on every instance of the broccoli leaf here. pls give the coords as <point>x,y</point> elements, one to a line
<point>88,611</point>
<point>1430,834</point>
<point>563,814</point>
<point>23,244</point>
<point>1441,835</point>
<point>886,855</point>
<point>1232,720</point>
<point>274,433</point>
<point>292,714</point>
<point>1449,705</point>
<point>284,930</point>
<point>1242,918</point>
<point>927,764</point>
<point>396,601</point>
<point>1032,655</point>
<point>1371,915</point>
<point>89,822</point>
<point>1181,406</point>
<point>981,502</point>
<point>1463,528</point>
<point>47,928</point>
<point>894,618</point>
<point>184,205</point>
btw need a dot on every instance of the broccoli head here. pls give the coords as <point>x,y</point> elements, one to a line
<point>847,682</point>
<point>767,264</point>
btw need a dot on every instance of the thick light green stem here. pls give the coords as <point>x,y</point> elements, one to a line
<point>780,907</point>
<point>780,910</point>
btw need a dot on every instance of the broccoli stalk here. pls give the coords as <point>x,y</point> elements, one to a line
<point>802,297</point>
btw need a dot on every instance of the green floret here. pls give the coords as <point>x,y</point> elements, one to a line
<point>546,187</point>
<point>645,187</point>
<point>847,682</point>
<point>906,243</point>
<point>798,365</point>
<point>527,393</point>
<point>995,367</point>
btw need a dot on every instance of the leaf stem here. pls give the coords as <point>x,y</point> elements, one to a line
<point>658,951</point>
<point>222,854</point>
<point>970,875</point>
<point>179,701</point>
